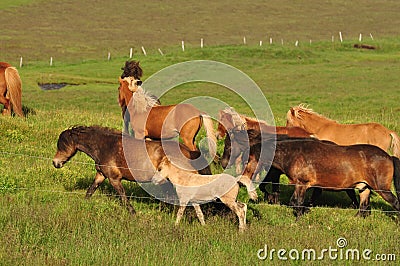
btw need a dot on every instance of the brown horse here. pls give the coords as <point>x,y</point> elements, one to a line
<point>273,174</point>
<point>132,71</point>
<point>229,119</point>
<point>10,90</point>
<point>149,119</point>
<point>105,146</point>
<point>195,189</point>
<point>313,163</point>
<point>343,134</point>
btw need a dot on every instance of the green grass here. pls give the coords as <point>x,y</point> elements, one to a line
<point>44,218</point>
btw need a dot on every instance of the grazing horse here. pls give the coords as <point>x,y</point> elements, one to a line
<point>105,147</point>
<point>273,174</point>
<point>149,119</point>
<point>195,189</point>
<point>343,134</point>
<point>10,90</point>
<point>312,163</point>
<point>230,119</point>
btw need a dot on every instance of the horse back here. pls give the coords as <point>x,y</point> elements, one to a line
<point>166,121</point>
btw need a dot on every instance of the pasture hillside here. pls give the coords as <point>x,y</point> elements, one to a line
<point>44,218</point>
<point>81,30</point>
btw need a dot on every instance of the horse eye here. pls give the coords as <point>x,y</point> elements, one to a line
<point>139,82</point>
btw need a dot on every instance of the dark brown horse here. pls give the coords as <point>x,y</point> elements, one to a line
<point>149,119</point>
<point>273,174</point>
<point>10,90</point>
<point>105,146</point>
<point>313,163</point>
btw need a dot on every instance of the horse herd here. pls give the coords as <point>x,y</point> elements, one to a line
<point>311,150</point>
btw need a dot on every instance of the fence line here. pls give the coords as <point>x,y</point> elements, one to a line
<point>244,42</point>
<point>143,170</point>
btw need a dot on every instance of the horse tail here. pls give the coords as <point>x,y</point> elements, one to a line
<point>396,175</point>
<point>14,89</point>
<point>212,139</point>
<point>395,145</point>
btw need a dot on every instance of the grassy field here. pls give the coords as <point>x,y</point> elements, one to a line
<point>44,217</point>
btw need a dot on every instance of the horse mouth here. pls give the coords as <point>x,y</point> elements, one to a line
<point>58,163</point>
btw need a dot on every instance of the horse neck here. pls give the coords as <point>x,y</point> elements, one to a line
<point>90,147</point>
<point>314,123</point>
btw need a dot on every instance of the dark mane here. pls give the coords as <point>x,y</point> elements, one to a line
<point>78,129</point>
<point>71,134</point>
<point>132,69</point>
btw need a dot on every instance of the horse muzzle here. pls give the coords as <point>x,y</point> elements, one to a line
<point>58,163</point>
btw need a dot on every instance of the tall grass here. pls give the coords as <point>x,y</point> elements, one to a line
<point>46,220</point>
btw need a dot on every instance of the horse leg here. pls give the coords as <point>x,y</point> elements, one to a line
<point>390,198</point>
<point>239,208</point>
<point>352,195</point>
<point>315,195</point>
<point>297,200</point>
<point>98,179</point>
<point>199,213</point>
<point>364,210</point>
<point>251,190</point>
<point>275,179</point>
<point>179,214</point>
<point>116,183</point>
<point>7,106</point>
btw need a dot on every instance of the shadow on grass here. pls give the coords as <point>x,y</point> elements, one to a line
<point>336,199</point>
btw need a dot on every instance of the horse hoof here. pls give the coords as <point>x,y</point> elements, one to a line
<point>253,195</point>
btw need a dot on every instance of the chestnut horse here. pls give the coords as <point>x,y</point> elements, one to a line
<point>343,134</point>
<point>149,119</point>
<point>312,163</point>
<point>10,90</point>
<point>131,69</point>
<point>105,146</point>
<point>229,119</point>
<point>195,189</point>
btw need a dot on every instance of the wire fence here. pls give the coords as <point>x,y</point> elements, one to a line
<point>136,197</point>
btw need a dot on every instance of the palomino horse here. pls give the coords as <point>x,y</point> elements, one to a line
<point>230,119</point>
<point>149,119</point>
<point>342,134</point>
<point>10,90</point>
<point>105,147</point>
<point>195,189</point>
<point>313,163</point>
<point>273,175</point>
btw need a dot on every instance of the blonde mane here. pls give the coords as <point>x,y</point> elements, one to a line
<point>142,101</point>
<point>302,109</point>
<point>237,119</point>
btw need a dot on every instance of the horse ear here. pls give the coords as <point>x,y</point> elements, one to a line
<point>120,79</point>
<point>292,111</point>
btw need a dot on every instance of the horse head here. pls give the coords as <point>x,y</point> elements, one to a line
<point>132,69</point>
<point>236,142</point>
<point>127,86</point>
<point>66,148</point>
